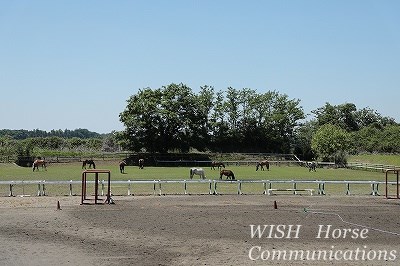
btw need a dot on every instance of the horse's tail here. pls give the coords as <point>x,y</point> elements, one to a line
<point>258,165</point>
<point>267,165</point>
<point>191,173</point>
<point>94,165</point>
<point>233,176</point>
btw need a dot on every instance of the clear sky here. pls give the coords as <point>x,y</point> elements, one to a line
<point>70,64</point>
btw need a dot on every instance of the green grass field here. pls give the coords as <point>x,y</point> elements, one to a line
<point>73,171</point>
<point>386,159</point>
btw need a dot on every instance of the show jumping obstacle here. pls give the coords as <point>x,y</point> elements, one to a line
<point>396,172</point>
<point>96,173</point>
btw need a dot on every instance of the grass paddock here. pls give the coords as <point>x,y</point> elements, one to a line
<point>73,172</point>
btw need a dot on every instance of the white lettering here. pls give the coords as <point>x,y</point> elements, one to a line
<point>320,231</point>
<point>324,231</point>
<point>251,252</point>
<point>257,231</point>
<point>297,231</point>
<point>392,255</point>
<point>281,230</point>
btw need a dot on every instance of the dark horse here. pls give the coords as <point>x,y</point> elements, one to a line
<point>227,173</point>
<point>311,166</point>
<point>122,165</point>
<point>217,164</point>
<point>141,163</point>
<point>37,163</point>
<point>262,163</point>
<point>89,162</point>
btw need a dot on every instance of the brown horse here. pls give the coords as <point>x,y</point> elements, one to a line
<point>122,165</point>
<point>220,165</point>
<point>89,162</point>
<point>141,163</point>
<point>37,163</point>
<point>262,163</point>
<point>227,173</point>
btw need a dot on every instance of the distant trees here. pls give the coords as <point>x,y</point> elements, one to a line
<point>54,145</point>
<point>24,134</point>
<point>174,118</point>
<point>342,129</point>
<point>330,143</point>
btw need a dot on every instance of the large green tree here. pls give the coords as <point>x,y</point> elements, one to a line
<point>165,119</point>
<point>175,118</point>
<point>331,143</point>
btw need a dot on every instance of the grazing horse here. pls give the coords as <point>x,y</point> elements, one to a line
<point>227,173</point>
<point>312,166</point>
<point>122,165</point>
<point>197,171</point>
<point>262,163</point>
<point>89,162</point>
<point>217,164</point>
<point>141,163</point>
<point>37,163</point>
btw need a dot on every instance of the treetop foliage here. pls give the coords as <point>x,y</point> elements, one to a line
<point>174,118</point>
<point>24,134</point>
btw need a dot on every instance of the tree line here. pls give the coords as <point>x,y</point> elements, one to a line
<point>56,146</point>
<point>37,133</point>
<point>175,118</point>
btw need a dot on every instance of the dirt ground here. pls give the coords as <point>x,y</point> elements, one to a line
<point>199,230</point>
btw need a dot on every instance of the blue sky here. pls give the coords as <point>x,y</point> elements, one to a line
<point>74,64</point>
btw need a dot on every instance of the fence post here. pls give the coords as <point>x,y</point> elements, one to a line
<point>321,188</point>
<point>129,187</point>
<point>185,186</point>
<point>348,189</point>
<point>375,187</point>
<point>210,183</point>
<point>43,188</point>
<point>10,194</point>
<point>294,187</point>
<point>240,187</point>
<point>160,192</point>
<point>39,192</point>
<point>70,188</point>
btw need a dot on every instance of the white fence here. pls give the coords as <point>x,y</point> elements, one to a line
<point>157,186</point>
<point>371,167</point>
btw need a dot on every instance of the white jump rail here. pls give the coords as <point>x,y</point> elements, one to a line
<point>291,190</point>
<point>212,185</point>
